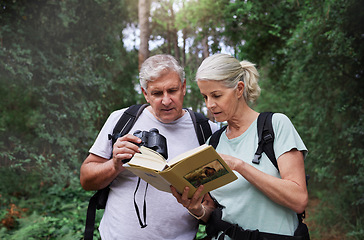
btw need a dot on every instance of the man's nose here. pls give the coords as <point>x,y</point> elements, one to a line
<point>166,99</point>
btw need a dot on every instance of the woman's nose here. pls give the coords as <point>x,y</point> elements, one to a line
<point>209,103</point>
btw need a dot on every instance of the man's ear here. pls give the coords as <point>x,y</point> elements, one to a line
<point>184,87</point>
<point>145,94</point>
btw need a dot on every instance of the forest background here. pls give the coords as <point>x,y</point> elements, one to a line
<point>66,65</point>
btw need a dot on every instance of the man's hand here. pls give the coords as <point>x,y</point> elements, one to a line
<point>97,172</point>
<point>124,148</point>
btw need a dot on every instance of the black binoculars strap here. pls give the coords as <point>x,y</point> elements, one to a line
<point>142,225</point>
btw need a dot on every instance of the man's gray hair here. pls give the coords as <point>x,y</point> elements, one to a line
<point>158,65</point>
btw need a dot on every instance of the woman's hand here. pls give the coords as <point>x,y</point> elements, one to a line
<point>200,206</point>
<point>232,162</point>
<point>194,204</point>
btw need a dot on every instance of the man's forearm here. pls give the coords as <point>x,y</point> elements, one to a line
<point>95,175</point>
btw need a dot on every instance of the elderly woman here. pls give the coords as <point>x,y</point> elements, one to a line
<point>262,198</point>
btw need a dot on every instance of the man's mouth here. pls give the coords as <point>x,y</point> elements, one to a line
<point>167,109</point>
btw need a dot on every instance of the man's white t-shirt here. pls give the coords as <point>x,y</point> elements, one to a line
<point>165,217</point>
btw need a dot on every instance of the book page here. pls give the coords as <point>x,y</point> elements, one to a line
<point>148,158</point>
<point>186,154</point>
<point>151,152</point>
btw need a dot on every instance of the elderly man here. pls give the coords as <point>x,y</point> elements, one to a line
<point>164,87</point>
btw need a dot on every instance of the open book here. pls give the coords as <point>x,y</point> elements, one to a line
<point>199,166</point>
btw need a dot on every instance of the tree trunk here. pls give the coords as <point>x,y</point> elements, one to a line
<point>184,31</point>
<point>174,32</point>
<point>169,44</point>
<point>143,15</point>
<point>205,47</point>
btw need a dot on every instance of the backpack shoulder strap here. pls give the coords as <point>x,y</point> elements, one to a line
<point>215,138</point>
<point>99,199</point>
<point>127,120</point>
<point>265,138</point>
<point>202,126</point>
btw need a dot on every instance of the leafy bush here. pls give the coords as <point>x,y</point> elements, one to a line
<point>57,88</point>
<point>312,71</point>
<point>54,212</point>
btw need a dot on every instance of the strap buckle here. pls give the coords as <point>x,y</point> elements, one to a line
<point>257,157</point>
<point>267,138</point>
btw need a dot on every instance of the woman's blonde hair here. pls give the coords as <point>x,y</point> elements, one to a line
<point>228,70</point>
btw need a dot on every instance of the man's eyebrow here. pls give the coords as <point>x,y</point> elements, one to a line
<point>161,90</point>
<point>156,91</point>
<point>173,88</point>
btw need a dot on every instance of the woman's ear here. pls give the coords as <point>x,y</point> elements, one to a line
<point>240,89</point>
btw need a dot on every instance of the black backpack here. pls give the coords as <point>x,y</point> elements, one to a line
<point>265,144</point>
<point>265,136</point>
<point>123,126</point>
<point>265,139</point>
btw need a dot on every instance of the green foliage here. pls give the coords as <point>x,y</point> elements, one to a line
<point>310,56</point>
<point>202,19</point>
<point>201,233</point>
<point>52,212</point>
<point>63,69</point>
<point>193,97</point>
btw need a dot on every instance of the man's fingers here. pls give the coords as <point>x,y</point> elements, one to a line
<point>129,138</point>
